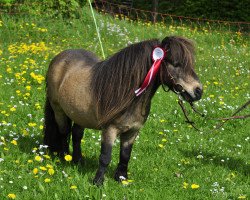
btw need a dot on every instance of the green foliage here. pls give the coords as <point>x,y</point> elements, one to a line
<point>221,10</point>
<point>53,8</point>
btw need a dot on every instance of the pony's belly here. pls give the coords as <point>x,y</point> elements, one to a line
<point>83,118</point>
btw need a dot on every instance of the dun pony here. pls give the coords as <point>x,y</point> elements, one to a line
<point>84,92</point>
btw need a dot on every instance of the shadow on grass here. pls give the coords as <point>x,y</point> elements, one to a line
<point>232,163</point>
<point>27,144</point>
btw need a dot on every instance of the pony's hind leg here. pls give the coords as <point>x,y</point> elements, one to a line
<point>126,143</point>
<point>77,134</point>
<point>64,127</point>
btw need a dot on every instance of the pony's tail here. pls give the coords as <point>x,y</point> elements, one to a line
<point>51,131</point>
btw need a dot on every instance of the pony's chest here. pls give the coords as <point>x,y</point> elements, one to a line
<point>133,118</point>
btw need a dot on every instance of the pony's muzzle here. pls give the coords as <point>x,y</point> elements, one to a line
<point>198,93</point>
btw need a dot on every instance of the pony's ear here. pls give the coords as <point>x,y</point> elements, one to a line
<point>165,43</point>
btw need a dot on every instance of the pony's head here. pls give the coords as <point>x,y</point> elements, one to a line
<point>177,71</point>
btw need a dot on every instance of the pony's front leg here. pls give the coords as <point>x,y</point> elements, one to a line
<point>126,144</point>
<point>108,139</point>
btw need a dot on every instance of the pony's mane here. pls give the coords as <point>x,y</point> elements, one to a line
<point>114,80</point>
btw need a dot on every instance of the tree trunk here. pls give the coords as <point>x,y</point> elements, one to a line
<point>155,4</point>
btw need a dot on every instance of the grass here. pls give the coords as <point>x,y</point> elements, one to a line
<point>170,160</point>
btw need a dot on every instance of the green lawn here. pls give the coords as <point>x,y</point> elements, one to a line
<point>170,159</point>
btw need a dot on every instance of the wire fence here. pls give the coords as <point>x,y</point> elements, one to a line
<point>128,12</point>
<point>124,11</point>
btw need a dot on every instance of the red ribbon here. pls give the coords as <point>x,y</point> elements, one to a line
<point>152,72</point>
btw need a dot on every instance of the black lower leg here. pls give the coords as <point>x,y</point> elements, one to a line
<point>122,168</point>
<point>77,135</point>
<point>104,160</point>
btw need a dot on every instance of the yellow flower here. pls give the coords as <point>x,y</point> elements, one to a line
<point>68,158</point>
<point>28,87</point>
<point>47,180</point>
<point>72,187</point>
<point>14,142</point>
<point>13,109</point>
<point>160,145</point>
<point>125,182</point>
<point>185,185</point>
<point>164,140</point>
<point>194,186</point>
<point>12,196</point>
<point>43,168</point>
<point>49,166</point>
<point>51,171</point>
<point>35,171</point>
<point>30,161</point>
<point>242,197</point>
<point>47,157</point>
<point>25,132</point>
<point>32,124</point>
<point>38,158</point>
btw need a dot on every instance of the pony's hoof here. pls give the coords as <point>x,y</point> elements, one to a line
<point>98,181</point>
<point>121,176</point>
<point>79,160</point>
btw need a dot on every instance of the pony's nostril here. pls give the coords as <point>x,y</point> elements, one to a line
<point>198,92</point>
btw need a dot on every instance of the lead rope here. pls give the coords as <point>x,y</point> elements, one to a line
<point>97,29</point>
<point>219,125</point>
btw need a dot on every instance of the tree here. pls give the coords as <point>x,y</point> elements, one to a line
<point>155,4</point>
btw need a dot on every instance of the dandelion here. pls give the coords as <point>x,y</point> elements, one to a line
<point>73,187</point>
<point>49,166</point>
<point>47,180</point>
<point>51,171</point>
<point>46,156</point>
<point>28,87</point>
<point>242,197</point>
<point>13,109</point>
<point>35,171</point>
<point>185,185</point>
<point>38,158</point>
<point>43,168</point>
<point>12,196</point>
<point>161,145</point>
<point>194,186</point>
<point>14,142</point>
<point>31,124</point>
<point>68,158</point>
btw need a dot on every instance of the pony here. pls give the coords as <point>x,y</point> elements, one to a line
<point>85,92</point>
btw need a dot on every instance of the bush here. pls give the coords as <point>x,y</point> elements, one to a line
<point>57,8</point>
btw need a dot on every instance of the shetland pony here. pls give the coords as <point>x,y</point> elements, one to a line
<point>85,92</point>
